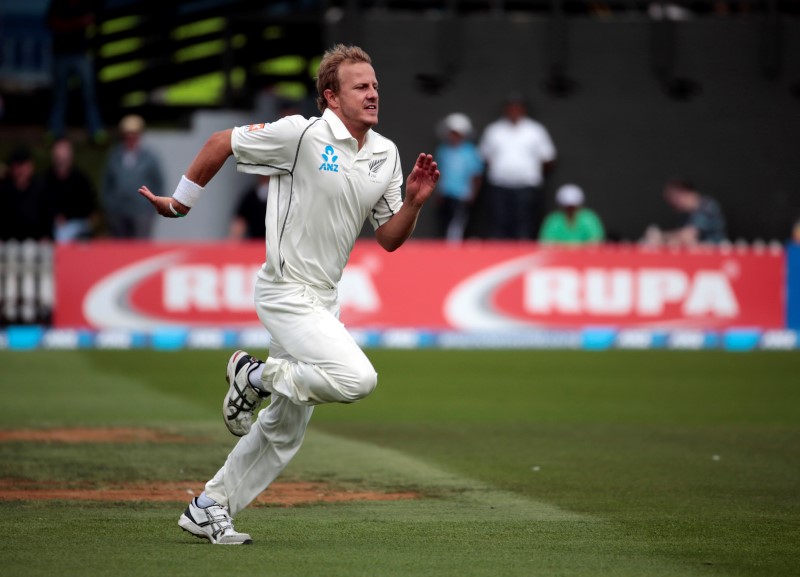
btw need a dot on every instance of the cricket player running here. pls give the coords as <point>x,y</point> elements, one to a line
<point>328,175</point>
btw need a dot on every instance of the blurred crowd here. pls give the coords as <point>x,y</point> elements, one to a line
<point>500,183</point>
<point>508,166</point>
<point>497,178</point>
<point>59,201</point>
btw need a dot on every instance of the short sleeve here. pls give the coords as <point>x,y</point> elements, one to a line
<point>267,148</point>
<point>391,200</point>
<point>596,231</point>
<point>547,232</point>
<point>547,150</point>
<point>477,161</point>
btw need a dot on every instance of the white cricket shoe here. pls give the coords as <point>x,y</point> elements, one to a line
<point>242,400</point>
<point>212,523</point>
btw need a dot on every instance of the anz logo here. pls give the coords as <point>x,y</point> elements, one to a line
<point>329,160</point>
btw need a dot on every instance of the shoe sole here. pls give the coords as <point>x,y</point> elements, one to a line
<point>187,525</point>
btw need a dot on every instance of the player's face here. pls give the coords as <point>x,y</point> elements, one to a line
<point>357,100</point>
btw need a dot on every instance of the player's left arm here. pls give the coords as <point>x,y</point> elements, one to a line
<point>419,186</point>
<point>205,165</point>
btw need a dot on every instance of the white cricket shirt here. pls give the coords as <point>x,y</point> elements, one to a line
<point>515,152</point>
<point>321,190</point>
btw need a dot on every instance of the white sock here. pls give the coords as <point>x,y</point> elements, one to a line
<point>254,377</point>
<point>204,501</point>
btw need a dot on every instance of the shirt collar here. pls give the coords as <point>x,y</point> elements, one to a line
<point>340,132</point>
<point>338,128</point>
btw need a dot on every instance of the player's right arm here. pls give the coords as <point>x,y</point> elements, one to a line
<point>211,157</point>
<point>205,165</point>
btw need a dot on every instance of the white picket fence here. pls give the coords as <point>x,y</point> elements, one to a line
<point>26,282</point>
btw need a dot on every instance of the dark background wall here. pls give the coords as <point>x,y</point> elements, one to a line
<point>731,122</point>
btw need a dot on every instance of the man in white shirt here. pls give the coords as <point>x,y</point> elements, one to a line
<point>328,175</point>
<point>519,153</point>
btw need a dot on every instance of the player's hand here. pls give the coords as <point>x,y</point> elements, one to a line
<point>162,204</point>
<point>422,180</point>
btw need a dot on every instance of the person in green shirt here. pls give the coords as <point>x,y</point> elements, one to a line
<point>571,223</point>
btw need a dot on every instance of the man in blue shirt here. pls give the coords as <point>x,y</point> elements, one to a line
<point>462,169</point>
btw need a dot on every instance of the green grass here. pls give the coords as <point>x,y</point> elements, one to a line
<point>621,463</point>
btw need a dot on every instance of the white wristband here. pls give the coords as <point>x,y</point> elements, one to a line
<point>187,192</point>
<point>175,212</point>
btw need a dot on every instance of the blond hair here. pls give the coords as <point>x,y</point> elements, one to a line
<point>328,73</point>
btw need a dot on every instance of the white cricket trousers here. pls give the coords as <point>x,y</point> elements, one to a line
<point>312,360</point>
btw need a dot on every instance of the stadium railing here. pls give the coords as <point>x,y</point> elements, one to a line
<point>26,282</point>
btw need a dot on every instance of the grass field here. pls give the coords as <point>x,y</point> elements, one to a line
<point>526,463</point>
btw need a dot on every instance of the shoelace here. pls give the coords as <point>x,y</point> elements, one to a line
<point>219,519</point>
<point>239,403</point>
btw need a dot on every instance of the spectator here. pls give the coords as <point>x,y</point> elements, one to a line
<point>519,153</point>
<point>796,231</point>
<point>25,212</point>
<point>248,220</point>
<point>703,221</point>
<point>129,163</point>
<point>572,222</point>
<point>69,21</point>
<point>72,193</point>
<point>462,171</point>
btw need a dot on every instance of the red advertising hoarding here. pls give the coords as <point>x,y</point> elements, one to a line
<point>432,285</point>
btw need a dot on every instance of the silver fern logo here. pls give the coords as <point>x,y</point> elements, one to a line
<point>375,165</point>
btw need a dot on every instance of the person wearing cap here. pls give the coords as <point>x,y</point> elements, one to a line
<point>572,222</point>
<point>519,154</point>
<point>129,163</point>
<point>462,171</point>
